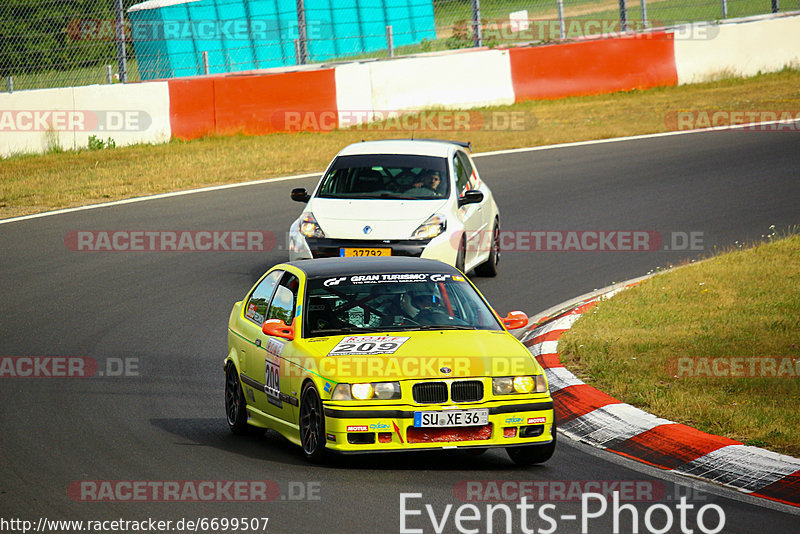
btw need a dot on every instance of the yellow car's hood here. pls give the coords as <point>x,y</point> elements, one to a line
<point>426,354</point>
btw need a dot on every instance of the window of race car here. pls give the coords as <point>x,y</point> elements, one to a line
<point>283,303</point>
<point>386,176</point>
<point>385,302</point>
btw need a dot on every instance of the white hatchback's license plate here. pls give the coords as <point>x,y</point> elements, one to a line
<point>451,418</point>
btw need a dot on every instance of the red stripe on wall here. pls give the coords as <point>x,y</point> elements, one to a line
<point>290,101</point>
<point>594,66</point>
<point>191,107</point>
<point>575,401</point>
<point>670,446</point>
<point>253,104</point>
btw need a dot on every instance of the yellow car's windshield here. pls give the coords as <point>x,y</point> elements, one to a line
<point>394,302</point>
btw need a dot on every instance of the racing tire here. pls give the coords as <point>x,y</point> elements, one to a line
<point>533,454</point>
<point>312,425</point>
<point>489,267</point>
<point>461,255</point>
<point>235,405</point>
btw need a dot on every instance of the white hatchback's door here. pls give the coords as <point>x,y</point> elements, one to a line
<point>471,214</point>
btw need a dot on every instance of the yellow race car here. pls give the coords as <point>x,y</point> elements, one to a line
<point>356,355</point>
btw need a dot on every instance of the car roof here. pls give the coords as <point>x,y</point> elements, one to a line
<point>376,265</point>
<point>420,147</point>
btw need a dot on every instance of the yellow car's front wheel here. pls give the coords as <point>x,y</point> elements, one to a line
<point>533,454</point>
<point>312,424</point>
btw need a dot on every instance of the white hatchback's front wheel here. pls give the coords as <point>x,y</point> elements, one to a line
<point>489,267</point>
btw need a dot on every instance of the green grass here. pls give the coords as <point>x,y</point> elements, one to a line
<point>35,183</point>
<point>740,304</point>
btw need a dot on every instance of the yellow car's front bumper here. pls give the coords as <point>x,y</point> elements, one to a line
<point>353,429</point>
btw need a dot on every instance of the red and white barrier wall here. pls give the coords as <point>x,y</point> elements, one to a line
<point>321,98</point>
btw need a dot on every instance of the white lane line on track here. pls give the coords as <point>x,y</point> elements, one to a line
<point>156,197</point>
<point>309,175</point>
<point>636,137</point>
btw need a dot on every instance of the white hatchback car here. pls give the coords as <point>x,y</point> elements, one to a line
<point>417,197</point>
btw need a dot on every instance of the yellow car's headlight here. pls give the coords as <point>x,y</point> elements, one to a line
<point>508,385</point>
<point>367,391</point>
<point>362,391</point>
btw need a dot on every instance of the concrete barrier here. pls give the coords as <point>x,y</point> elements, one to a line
<point>31,121</point>
<point>48,119</point>
<point>740,48</point>
<point>128,114</point>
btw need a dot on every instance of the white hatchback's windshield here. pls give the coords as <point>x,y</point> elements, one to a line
<point>386,176</point>
<point>394,302</point>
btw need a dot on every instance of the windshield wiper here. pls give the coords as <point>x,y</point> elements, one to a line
<point>345,330</point>
<point>398,196</point>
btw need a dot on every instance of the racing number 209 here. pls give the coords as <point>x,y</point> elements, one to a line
<point>367,347</point>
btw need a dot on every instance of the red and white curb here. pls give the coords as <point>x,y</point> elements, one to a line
<point>586,414</point>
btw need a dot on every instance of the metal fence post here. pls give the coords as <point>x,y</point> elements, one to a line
<point>206,68</point>
<point>390,40</point>
<point>477,37</point>
<point>109,75</point>
<point>122,60</point>
<point>562,30</point>
<point>724,9</point>
<point>301,47</point>
<point>10,84</point>
<point>644,13</point>
<point>623,16</point>
<point>775,6</point>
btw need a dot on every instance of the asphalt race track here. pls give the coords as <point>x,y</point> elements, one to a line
<point>166,314</point>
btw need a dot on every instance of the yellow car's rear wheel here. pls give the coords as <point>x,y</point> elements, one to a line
<point>235,405</point>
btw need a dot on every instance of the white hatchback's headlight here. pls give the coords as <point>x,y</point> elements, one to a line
<point>508,385</point>
<point>367,391</point>
<point>435,225</point>
<point>309,227</point>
